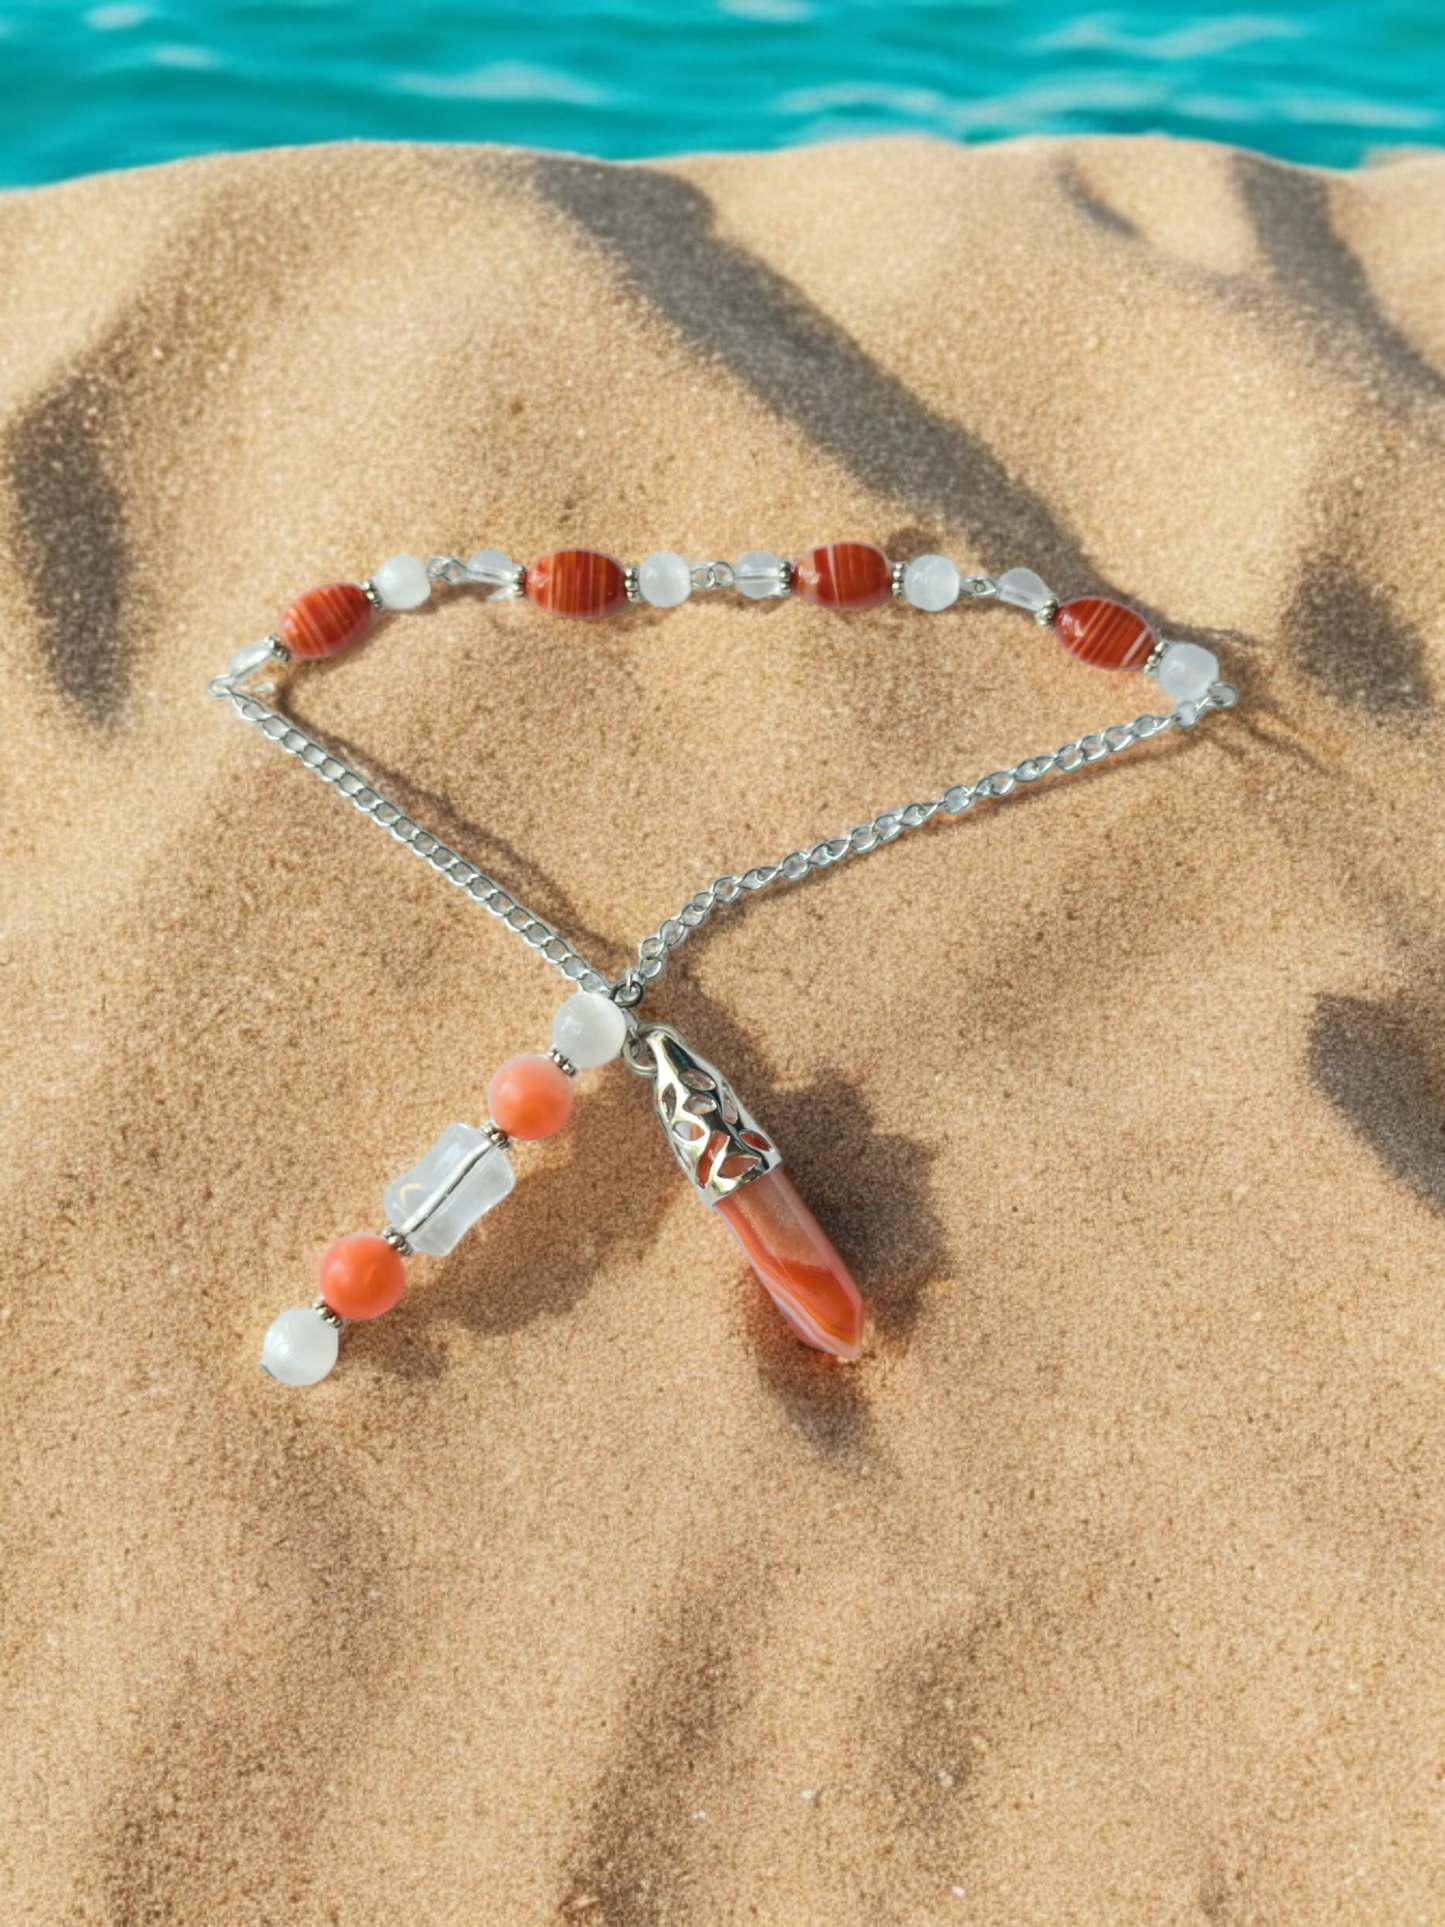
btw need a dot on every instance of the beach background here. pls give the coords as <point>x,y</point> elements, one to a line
<point>1106,1587</point>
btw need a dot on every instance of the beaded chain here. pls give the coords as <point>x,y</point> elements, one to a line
<point>728,1158</point>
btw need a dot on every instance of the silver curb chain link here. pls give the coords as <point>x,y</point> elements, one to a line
<point>447,862</point>
<point>652,953</point>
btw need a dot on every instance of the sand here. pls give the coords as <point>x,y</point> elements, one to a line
<point>1107,1586</point>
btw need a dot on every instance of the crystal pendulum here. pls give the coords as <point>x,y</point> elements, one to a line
<point>736,1167</point>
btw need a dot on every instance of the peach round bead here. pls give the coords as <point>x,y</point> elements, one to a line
<point>361,1276</point>
<point>530,1097</point>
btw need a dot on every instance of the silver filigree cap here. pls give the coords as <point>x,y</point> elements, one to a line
<point>717,1143</point>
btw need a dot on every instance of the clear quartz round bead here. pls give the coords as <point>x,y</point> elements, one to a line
<point>664,580</point>
<point>1186,671</point>
<point>759,573</point>
<point>588,1030</point>
<point>300,1348</point>
<point>403,583</point>
<point>931,582</point>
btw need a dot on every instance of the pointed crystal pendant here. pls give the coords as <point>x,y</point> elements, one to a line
<point>797,1261</point>
<point>736,1166</point>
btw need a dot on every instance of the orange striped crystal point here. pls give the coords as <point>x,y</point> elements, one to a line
<point>734,1165</point>
<point>798,1263</point>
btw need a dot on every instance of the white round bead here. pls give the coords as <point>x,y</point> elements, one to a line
<point>403,583</point>
<point>589,1030</point>
<point>1185,671</point>
<point>665,580</point>
<point>759,574</point>
<point>300,1348</point>
<point>931,582</point>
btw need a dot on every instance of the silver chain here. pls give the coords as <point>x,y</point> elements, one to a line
<point>654,950</point>
<point>351,784</point>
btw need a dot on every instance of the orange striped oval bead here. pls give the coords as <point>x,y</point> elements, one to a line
<point>1103,633</point>
<point>327,619</point>
<point>577,582</point>
<point>844,575</point>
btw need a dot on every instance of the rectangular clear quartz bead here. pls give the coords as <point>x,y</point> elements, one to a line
<point>462,1175</point>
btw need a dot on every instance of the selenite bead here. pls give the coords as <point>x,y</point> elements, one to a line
<point>589,1030</point>
<point>1185,671</point>
<point>530,1097</point>
<point>844,575</point>
<point>931,582</point>
<point>1103,633</point>
<point>403,583</point>
<point>327,619</point>
<point>361,1276</point>
<point>577,582</point>
<point>759,573</point>
<point>300,1348</point>
<point>1025,590</point>
<point>796,1260</point>
<point>463,1174</point>
<point>665,580</point>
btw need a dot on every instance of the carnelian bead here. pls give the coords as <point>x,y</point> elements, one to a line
<point>530,1097</point>
<point>1103,633</point>
<point>577,582</point>
<point>327,619</point>
<point>362,1276</point>
<point>844,575</point>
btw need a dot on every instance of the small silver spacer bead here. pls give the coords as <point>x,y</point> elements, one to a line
<point>562,1063</point>
<point>785,585</point>
<point>629,576</point>
<point>279,649</point>
<point>324,1311</point>
<point>399,1239</point>
<point>1156,658</point>
<point>497,1135</point>
<point>372,594</point>
<point>898,572</point>
<point>1043,617</point>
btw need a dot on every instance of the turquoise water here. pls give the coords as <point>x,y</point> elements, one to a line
<point>118,84</point>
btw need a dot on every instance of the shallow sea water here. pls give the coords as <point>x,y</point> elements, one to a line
<point>128,82</point>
